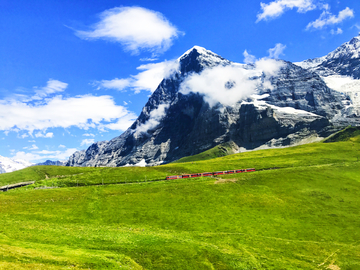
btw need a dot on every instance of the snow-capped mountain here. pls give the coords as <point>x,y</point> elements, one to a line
<point>209,100</point>
<point>340,70</point>
<point>345,60</point>
<point>11,165</point>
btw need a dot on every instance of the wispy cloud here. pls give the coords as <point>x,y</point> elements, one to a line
<point>228,85</point>
<point>116,84</point>
<point>327,18</point>
<point>84,112</point>
<point>154,119</point>
<point>136,28</point>
<point>338,31</point>
<point>44,135</point>
<point>277,8</point>
<point>147,80</point>
<point>225,85</point>
<point>37,156</point>
<point>32,147</point>
<point>276,51</point>
<point>248,58</point>
<point>87,142</point>
<point>52,87</point>
<point>88,135</point>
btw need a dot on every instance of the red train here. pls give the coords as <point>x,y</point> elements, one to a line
<point>208,174</point>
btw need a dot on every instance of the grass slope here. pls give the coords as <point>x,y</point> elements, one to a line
<point>304,155</point>
<point>220,150</point>
<point>303,215</point>
<point>348,134</point>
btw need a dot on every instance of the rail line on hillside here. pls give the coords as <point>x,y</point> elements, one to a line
<point>167,178</point>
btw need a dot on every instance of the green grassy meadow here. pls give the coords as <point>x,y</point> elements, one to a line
<point>299,210</point>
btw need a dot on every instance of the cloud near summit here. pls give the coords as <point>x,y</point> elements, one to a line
<point>136,28</point>
<point>148,79</point>
<point>228,85</point>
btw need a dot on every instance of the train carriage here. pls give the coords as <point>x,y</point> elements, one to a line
<point>172,177</point>
<point>193,175</point>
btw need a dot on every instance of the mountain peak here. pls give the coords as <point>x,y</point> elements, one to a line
<point>198,58</point>
<point>355,40</point>
<point>344,60</point>
<point>195,49</point>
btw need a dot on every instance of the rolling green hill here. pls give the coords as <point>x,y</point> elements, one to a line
<point>299,210</point>
<point>347,134</point>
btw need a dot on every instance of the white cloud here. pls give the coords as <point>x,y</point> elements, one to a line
<point>248,58</point>
<point>44,135</point>
<point>338,31</point>
<point>276,51</point>
<point>87,142</point>
<point>117,84</point>
<point>152,75</point>
<point>52,87</point>
<point>327,18</point>
<point>154,119</point>
<point>33,147</point>
<point>122,123</point>
<point>135,28</point>
<point>62,146</point>
<point>147,80</point>
<point>84,112</point>
<point>89,135</point>
<point>228,85</point>
<point>276,8</point>
<point>37,156</point>
<point>269,67</point>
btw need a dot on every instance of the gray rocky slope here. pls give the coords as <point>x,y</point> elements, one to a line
<point>288,107</point>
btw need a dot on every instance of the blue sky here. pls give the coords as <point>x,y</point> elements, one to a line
<point>77,72</point>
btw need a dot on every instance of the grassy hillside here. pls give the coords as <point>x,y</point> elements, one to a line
<point>299,210</point>
<point>220,150</point>
<point>304,155</point>
<point>347,134</point>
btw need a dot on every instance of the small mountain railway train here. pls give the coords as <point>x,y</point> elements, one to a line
<point>208,174</point>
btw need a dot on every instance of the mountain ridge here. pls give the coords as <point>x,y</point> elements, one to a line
<point>286,104</point>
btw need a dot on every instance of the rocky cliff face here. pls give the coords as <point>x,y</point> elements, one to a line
<point>278,108</point>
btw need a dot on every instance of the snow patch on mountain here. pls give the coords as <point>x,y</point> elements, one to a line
<point>11,165</point>
<point>258,102</point>
<point>347,86</point>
